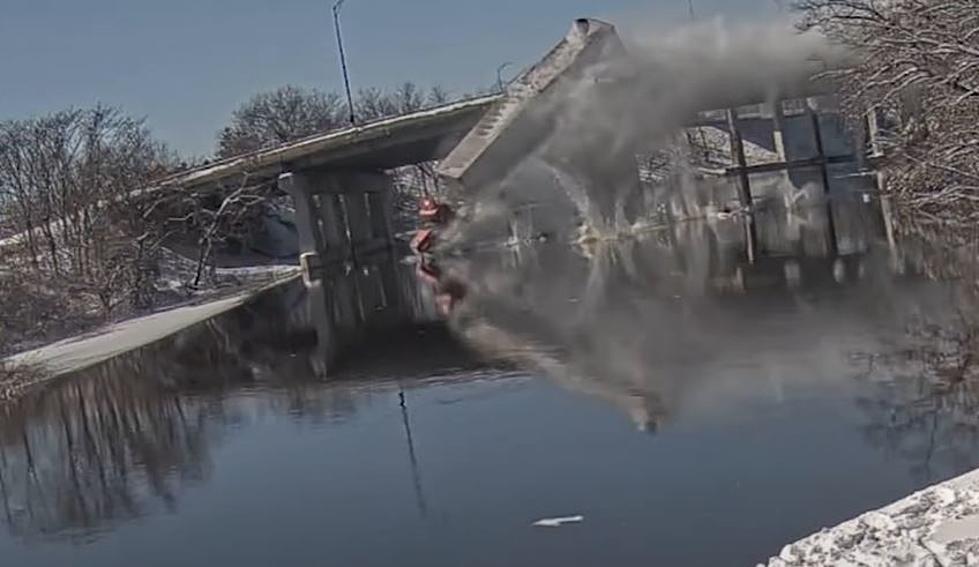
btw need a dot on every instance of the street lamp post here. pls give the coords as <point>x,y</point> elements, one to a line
<point>343,60</point>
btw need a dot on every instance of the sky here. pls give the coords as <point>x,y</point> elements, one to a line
<point>186,64</point>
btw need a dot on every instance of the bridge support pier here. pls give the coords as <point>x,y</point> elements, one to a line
<point>340,215</point>
<point>345,242</point>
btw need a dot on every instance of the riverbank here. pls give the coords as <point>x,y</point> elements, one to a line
<point>29,368</point>
<point>937,526</point>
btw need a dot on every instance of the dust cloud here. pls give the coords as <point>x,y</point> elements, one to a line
<point>566,270</point>
<point>633,100</point>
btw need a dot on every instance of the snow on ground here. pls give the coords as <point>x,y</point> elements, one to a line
<point>77,353</point>
<point>938,526</point>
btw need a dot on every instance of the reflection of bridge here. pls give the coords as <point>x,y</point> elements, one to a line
<point>778,162</point>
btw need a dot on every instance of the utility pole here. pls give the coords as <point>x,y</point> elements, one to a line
<point>693,14</point>
<point>343,60</point>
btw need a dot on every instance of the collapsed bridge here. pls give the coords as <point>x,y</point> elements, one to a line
<point>570,132</point>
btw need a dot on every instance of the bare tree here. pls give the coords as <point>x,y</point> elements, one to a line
<point>275,117</point>
<point>438,95</point>
<point>915,73</point>
<point>372,103</point>
<point>67,184</point>
<point>408,98</point>
<point>288,113</point>
<point>220,217</point>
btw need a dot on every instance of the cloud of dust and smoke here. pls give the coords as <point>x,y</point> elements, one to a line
<point>633,98</point>
<point>619,322</point>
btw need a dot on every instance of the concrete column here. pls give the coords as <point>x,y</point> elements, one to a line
<point>887,215</point>
<point>298,186</point>
<point>312,245</point>
<point>392,286</point>
<point>348,313</point>
<point>371,294</point>
<point>744,184</point>
<point>778,129</point>
<point>327,338</point>
<point>333,228</point>
<point>873,133</point>
<point>358,219</point>
<point>824,173</point>
<point>367,202</point>
<point>381,211</point>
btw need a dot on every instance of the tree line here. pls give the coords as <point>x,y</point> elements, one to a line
<point>915,72</point>
<point>80,243</point>
<point>288,113</point>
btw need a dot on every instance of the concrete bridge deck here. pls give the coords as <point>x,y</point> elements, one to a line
<point>382,144</point>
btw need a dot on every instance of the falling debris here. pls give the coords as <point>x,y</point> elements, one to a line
<point>558,522</point>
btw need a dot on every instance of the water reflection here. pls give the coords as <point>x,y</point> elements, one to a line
<point>124,439</point>
<point>674,328</point>
<point>84,456</point>
<point>922,396</point>
<point>635,320</point>
<point>654,319</point>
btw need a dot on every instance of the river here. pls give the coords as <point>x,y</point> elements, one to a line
<point>705,427</point>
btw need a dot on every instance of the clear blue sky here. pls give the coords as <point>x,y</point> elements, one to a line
<point>186,64</point>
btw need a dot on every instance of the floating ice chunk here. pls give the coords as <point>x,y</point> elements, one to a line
<point>558,522</point>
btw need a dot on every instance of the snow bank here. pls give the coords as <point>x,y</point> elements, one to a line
<point>936,526</point>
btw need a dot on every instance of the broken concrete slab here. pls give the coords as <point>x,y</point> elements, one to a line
<point>515,124</point>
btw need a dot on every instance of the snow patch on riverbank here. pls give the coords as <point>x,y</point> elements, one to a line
<point>938,526</point>
<point>77,353</point>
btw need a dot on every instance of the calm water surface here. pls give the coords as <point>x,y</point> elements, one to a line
<point>767,416</point>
